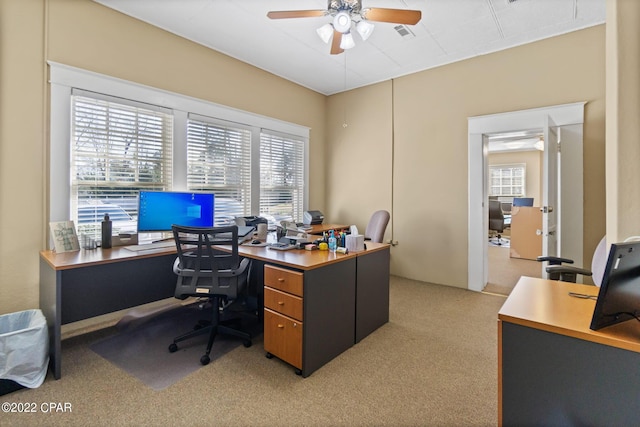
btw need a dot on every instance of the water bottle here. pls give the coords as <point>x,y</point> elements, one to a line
<point>106,232</point>
<point>333,244</point>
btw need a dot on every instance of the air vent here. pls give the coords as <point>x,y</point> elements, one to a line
<point>404,31</point>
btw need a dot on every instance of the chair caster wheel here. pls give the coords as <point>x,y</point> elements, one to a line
<point>268,355</point>
<point>204,360</point>
<point>173,347</point>
<point>298,371</point>
<point>247,343</point>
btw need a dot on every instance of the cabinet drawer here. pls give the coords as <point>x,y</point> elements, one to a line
<point>284,280</point>
<point>283,337</point>
<point>282,302</point>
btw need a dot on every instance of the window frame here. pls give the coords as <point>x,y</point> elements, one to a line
<point>64,78</point>
<point>502,167</point>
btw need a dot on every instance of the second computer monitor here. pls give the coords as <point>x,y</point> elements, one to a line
<point>523,201</point>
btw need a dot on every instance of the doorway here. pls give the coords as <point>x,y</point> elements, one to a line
<point>514,175</point>
<point>568,120</point>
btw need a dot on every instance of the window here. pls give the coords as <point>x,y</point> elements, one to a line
<point>219,160</point>
<point>125,137</point>
<point>507,180</point>
<point>281,177</point>
<point>117,149</point>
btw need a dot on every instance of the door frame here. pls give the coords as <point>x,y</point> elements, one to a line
<point>478,127</point>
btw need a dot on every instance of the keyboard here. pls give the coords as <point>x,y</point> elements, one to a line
<point>151,246</point>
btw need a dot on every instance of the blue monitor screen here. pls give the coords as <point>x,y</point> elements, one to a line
<point>523,201</point>
<point>159,210</point>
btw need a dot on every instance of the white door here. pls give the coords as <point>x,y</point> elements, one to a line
<point>550,200</point>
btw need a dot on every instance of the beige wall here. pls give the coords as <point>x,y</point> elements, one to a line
<point>533,166</point>
<point>84,34</point>
<point>623,125</point>
<point>421,149</point>
<point>404,146</point>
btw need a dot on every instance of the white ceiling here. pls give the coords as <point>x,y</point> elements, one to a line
<point>449,31</point>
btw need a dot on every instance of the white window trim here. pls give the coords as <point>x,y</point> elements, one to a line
<point>508,166</point>
<point>64,77</point>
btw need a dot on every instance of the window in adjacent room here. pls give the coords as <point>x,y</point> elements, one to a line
<point>117,148</point>
<point>281,176</point>
<point>219,161</point>
<point>507,180</point>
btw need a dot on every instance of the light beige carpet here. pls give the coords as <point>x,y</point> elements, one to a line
<point>433,364</point>
<point>504,271</point>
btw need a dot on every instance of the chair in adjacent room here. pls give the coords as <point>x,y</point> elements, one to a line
<point>207,272</point>
<point>496,222</point>
<point>559,270</point>
<point>377,226</point>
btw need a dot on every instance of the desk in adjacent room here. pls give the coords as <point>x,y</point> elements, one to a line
<point>346,296</point>
<point>554,370</point>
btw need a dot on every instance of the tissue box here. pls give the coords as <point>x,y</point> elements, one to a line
<point>354,242</point>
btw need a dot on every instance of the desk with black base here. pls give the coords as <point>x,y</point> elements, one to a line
<point>554,370</point>
<point>88,283</point>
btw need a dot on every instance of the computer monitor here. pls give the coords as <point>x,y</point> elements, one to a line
<point>523,201</point>
<point>619,295</point>
<point>159,210</point>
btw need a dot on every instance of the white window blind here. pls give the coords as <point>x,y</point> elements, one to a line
<point>281,176</point>
<point>118,148</point>
<point>219,160</point>
<point>507,180</point>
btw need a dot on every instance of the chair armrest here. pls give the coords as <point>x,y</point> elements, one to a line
<point>244,264</point>
<point>562,269</point>
<point>554,260</point>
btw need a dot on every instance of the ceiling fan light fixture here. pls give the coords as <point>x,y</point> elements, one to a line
<point>325,32</point>
<point>342,22</point>
<point>347,41</point>
<point>365,29</point>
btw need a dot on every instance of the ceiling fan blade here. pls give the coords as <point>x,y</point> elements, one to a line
<point>335,43</point>
<point>296,14</point>
<point>396,16</point>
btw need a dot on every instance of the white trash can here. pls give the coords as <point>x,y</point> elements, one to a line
<point>24,348</point>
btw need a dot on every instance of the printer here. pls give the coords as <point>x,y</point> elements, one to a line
<point>312,217</point>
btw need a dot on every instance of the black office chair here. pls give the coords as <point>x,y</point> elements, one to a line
<point>204,271</point>
<point>496,221</point>
<point>559,270</point>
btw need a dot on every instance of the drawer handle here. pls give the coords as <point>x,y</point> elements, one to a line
<point>280,325</point>
<point>280,279</point>
<point>280,302</point>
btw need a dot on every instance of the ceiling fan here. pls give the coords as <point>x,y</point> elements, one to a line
<point>346,13</point>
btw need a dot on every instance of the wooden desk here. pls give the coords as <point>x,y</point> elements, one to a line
<point>320,228</point>
<point>346,295</point>
<point>554,370</point>
<point>526,240</point>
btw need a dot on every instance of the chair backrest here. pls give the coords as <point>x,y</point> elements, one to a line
<point>204,269</point>
<point>496,217</point>
<point>599,261</point>
<point>377,226</point>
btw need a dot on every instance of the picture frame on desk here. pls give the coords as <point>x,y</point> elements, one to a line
<point>64,236</point>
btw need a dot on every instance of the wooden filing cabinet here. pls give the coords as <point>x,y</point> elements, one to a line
<point>283,314</point>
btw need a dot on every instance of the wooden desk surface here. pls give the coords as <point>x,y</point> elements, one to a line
<point>319,228</point>
<point>295,258</point>
<point>546,305</point>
